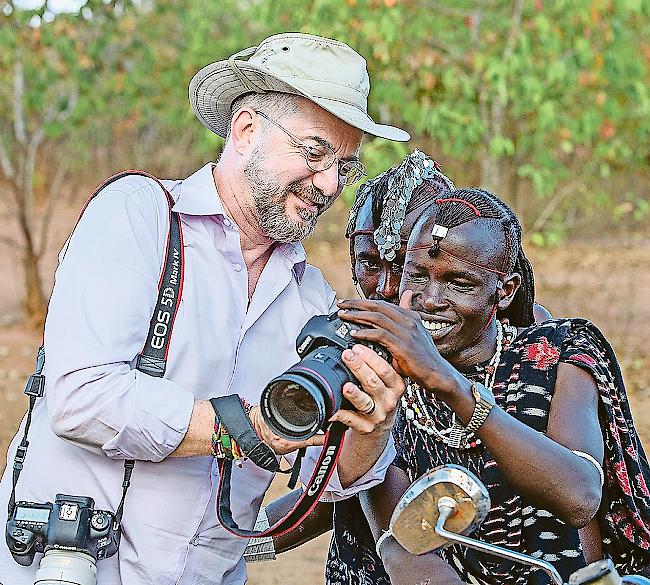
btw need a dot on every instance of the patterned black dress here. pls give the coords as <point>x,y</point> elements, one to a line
<point>523,387</point>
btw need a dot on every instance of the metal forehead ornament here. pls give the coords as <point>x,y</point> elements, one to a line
<point>439,232</point>
<point>414,169</point>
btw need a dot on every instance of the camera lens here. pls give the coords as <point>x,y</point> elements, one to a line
<point>66,568</point>
<point>299,403</point>
<point>294,406</point>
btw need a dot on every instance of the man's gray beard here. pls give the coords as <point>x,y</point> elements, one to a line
<point>270,201</point>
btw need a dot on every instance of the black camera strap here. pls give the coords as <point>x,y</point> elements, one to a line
<point>152,360</point>
<point>231,413</point>
<point>34,389</point>
<point>325,466</point>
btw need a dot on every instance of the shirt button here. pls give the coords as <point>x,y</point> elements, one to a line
<point>237,266</point>
<point>227,222</point>
<point>195,540</point>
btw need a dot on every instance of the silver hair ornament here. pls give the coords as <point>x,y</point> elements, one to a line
<point>414,169</point>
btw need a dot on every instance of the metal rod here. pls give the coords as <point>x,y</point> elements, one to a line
<point>447,505</point>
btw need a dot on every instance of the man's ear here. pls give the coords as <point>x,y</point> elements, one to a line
<point>508,290</point>
<point>243,127</point>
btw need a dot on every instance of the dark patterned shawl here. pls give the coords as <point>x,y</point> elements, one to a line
<point>524,385</point>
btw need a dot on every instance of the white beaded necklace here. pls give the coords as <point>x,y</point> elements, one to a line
<point>415,407</point>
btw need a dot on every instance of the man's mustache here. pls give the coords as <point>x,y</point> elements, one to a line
<point>314,194</point>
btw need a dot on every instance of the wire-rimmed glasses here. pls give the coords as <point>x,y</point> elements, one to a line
<point>320,157</point>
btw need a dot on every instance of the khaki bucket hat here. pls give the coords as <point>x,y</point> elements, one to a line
<point>325,71</point>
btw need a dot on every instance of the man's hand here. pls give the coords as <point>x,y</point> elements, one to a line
<point>369,433</point>
<point>381,386</point>
<point>279,445</point>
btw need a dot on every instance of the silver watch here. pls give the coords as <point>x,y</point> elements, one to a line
<point>484,403</point>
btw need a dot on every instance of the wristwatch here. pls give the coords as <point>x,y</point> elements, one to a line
<point>484,403</point>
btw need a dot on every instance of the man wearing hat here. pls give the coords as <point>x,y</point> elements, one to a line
<point>293,116</point>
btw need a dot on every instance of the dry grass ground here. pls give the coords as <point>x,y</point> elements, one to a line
<point>608,283</point>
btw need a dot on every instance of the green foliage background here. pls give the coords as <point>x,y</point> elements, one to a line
<point>546,102</point>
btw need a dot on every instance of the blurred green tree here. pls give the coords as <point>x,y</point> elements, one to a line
<point>541,97</point>
<point>548,96</point>
<point>72,82</point>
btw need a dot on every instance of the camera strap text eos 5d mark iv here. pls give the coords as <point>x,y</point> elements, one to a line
<point>152,360</point>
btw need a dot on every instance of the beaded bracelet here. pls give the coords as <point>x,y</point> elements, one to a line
<point>217,448</point>
<point>223,446</point>
<point>384,536</point>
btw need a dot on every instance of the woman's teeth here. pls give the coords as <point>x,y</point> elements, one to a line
<point>433,326</point>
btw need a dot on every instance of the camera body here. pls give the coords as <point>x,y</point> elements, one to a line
<point>299,403</point>
<point>71,523</point>
<point>330,330</point>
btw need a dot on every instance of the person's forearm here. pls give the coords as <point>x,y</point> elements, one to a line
<point>543,471</point>
<point>379,502</point>
<point>198,438</point>
<point>546,473</point>
<point>360,453</point>
<point>403,568</point>
<point>317,523</point>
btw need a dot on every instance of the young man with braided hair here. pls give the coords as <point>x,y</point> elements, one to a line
<point>349,560</point>
<point>555,435</point>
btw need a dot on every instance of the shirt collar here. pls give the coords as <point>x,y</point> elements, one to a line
<point>295,253</point>
<point>197,195</point>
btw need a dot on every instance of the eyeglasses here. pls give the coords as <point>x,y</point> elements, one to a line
<point>320,157</point>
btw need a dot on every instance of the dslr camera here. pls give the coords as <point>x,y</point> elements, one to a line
<point>71,533</point>
<point>299,403</point>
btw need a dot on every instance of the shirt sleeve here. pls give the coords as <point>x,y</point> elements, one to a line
<point>334,490</point>
<point>105,290</point>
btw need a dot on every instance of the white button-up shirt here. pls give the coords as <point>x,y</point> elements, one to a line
<point>99,410</point>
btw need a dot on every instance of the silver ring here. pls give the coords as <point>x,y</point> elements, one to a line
<point>370,410</point>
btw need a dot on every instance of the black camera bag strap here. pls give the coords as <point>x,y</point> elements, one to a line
<point>230,412</point>
<point>152,359</point>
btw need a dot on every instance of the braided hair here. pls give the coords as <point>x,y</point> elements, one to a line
<point>463,205</point>
<point>381,192</point>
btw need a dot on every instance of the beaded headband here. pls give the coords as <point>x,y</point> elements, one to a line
<point>439,233</point>
<point>435,246</point>
<point>411,172</point>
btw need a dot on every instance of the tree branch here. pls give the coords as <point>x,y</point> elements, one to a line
<point>19,93</point>
<point>5,162</point>
<point>515,29</point>
<point>54,191</point>
<point>445,10</point>
<point>28,174</point>
<point>554,203</point>
<point>456,56</point>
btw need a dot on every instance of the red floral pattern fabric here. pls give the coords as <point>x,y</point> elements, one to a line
<point>543,354</point>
